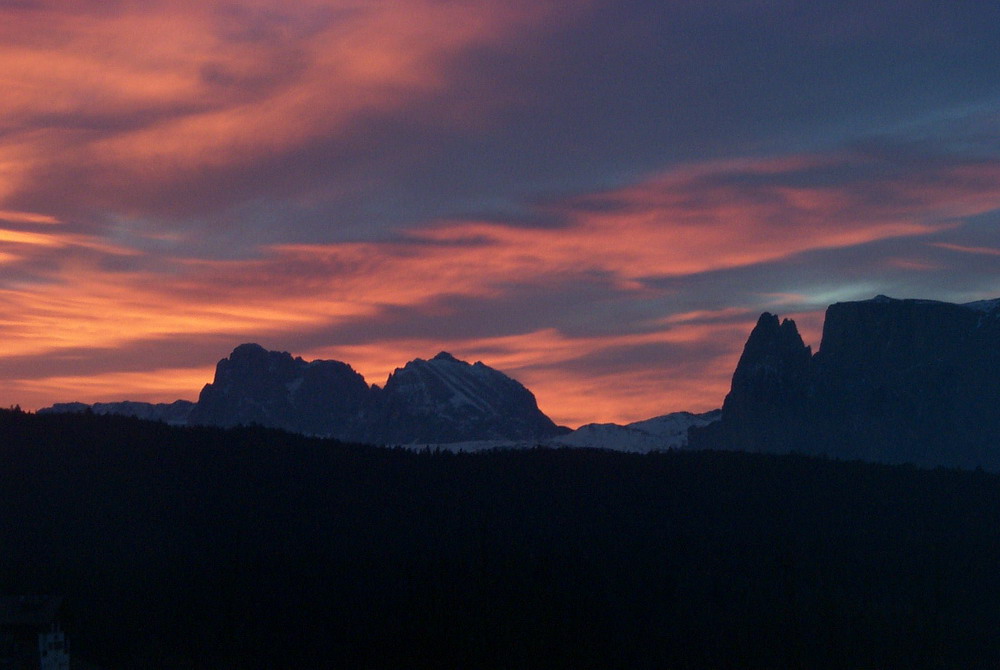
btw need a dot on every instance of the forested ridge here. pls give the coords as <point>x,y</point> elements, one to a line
<point>249,547</point>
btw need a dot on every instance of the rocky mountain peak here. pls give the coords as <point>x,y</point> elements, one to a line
<point>271,388</point>
<point>770,382</point>
<point>448,400</point>
<point>773,352</point>
<point>248,350</point>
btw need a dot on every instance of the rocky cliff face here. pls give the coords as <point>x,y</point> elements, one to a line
<point>270,388</point>
<point>770,385</point>
<point>894,380</point>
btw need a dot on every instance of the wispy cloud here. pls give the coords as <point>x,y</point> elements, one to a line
<point>982,251</point>
<point>126,107</point>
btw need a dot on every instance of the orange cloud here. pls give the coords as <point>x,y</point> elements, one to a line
<point>680,223</point>
<point>26,217</point>
<point>683,223</point>
<point>148,94</point>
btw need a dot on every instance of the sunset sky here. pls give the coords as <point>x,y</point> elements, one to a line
<point>598,198</point>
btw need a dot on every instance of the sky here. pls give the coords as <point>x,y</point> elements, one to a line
<point>597,198</point>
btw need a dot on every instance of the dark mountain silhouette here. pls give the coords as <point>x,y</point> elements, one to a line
<point>669,431</point>
<point>427,401</point>
<point>175,413</point>
<point>447,400</point>
<point>270,388</point>
<point>894,380</point>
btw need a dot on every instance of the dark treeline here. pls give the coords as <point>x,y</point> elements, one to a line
<point>182,547</point>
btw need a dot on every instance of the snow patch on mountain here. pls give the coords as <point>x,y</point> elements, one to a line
<point>983,305</point>
<point>669,431</point>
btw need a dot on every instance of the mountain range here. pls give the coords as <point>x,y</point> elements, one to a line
<point>441,400</point>
<point>914,381</point>
<point>175,413</point>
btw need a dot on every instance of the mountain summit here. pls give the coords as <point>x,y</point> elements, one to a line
<point>273,389</point>
<point>447,400</point>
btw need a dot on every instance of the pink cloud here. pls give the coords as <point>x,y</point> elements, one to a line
<point>965,249</point>
<point>135,99</point>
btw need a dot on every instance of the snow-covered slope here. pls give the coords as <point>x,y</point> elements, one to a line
<point>663,432</point>
<point>447,400</point>
<point>983,305</point>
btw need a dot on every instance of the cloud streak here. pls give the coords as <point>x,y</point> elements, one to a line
<point>128,107</point>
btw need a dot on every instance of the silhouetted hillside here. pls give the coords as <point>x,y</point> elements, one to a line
<point>184,547</point>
